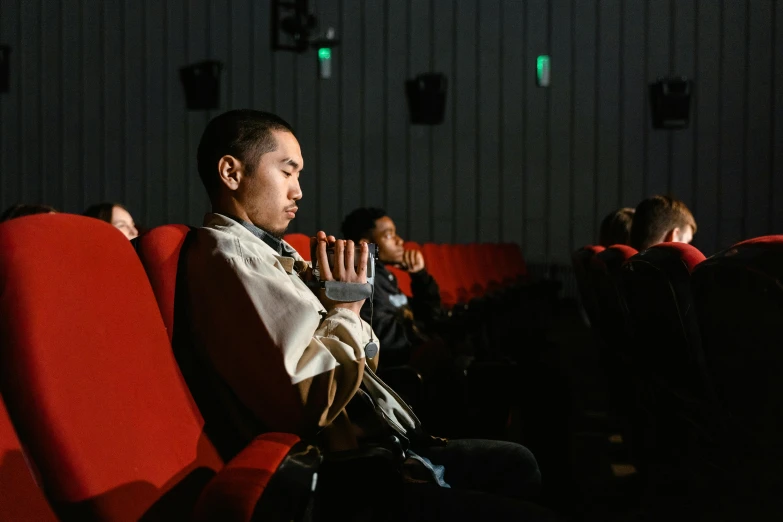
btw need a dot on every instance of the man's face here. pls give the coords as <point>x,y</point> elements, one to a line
<point>384,235</point>
<point>269,194</point>
<point>683,235</point>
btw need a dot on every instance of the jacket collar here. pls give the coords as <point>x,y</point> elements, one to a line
<point>291,263</point>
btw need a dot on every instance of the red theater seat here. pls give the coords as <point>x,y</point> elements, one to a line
<point>300,243</point>
<point>738,295</point>
<point>675,400</point>
<point>582,260</point>
<point>604,278</point>
<point>159,250</point>
<point>92,386</point>
<point>20,497</point>
<point>439,266</point>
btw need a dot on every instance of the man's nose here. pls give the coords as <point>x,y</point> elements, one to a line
<point>296,191</point>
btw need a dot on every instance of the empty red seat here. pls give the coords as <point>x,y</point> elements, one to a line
<point>439,266</point>
<point>91,384</point>
<point>300,243</point>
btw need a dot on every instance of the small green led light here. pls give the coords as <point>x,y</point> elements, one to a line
<point>324,53</point>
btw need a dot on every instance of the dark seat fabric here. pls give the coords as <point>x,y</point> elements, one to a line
<point>675,411</point>
<point>604,276</point>
<point>90,381</point>
<point>612,324</point>
<point>738,295</point>
<point>581,261</point>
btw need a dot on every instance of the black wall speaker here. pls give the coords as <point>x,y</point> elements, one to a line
<point>202,85</point>
<point>670,100</point>
<point>5,75</point>
<point>427,98</point>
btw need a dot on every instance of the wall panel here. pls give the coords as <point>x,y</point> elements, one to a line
<point>96,112</point>
<point>560,113</point>
<point>488,159</point>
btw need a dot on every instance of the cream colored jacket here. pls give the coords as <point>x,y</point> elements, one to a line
<point>292,364</point>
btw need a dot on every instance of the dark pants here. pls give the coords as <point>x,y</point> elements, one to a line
<point>490,480</point>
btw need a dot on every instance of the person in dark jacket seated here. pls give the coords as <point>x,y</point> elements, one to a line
<point>401,323</point>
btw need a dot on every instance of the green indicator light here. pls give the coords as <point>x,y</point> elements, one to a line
<point>324,53</point>
<point>542,70</point>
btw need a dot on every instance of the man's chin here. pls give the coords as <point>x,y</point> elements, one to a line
<point>279,233</point>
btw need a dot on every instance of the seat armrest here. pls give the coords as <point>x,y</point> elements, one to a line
<point>273,478</point>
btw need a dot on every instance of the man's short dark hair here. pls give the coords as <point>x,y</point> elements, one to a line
<point>360,223</point>
<point>657,216</point>
<point>245,134</point>
<point>616,228</point>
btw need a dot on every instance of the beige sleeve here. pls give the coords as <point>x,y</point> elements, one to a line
<point>267,337</point>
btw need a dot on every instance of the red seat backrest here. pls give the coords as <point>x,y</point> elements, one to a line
<point>300,243</point>
<point>738,295</point>
<point>88,375</point>
<point>457,258</point>
<point>657,291</point>
<point>439,267</point>
<point>159,250</point>
<point>513,261</point>
<point>20,497</point>
<point>581,261</point>
<point>604,280</point>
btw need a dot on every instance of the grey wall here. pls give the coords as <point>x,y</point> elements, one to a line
<point>96,111</point>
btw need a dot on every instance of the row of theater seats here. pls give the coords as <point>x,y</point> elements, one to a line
<point>693,353</point>
<point>463,272</point>
<point>96,419</point>
<point>485,291</point>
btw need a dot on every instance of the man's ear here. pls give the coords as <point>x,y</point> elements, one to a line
<point>230,171</point>
<point>672,235</point>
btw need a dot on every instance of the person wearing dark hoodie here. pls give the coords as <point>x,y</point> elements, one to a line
<point>401,323</point>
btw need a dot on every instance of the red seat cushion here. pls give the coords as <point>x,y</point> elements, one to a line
<point>87,371</point>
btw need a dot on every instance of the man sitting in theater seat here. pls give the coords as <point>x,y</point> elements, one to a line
<point>400,323</point>
<point>661,219</point>
<point>293,360</point>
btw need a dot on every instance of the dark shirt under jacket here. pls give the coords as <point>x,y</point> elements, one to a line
<point>395,332</point>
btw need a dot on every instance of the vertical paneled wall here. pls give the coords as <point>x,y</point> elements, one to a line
<point>96,111</point>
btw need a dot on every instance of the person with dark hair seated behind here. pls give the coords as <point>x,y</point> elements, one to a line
<point>25,209</point>
<point>616,228</point>
<point>115,214</point>
<point>661,219</point>
<point>400,323</point>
